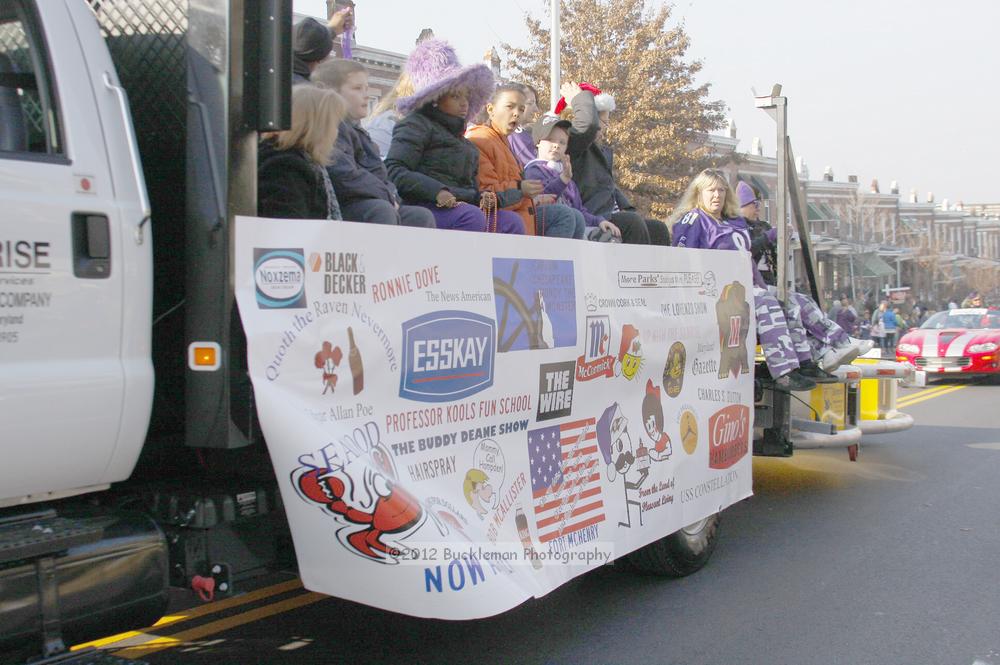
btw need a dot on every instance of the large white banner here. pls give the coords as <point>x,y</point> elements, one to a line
<point>462,421</point>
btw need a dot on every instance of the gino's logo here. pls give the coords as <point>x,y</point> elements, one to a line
<point>447,355</point>
<point>728,436</point>
<point>280,277</point>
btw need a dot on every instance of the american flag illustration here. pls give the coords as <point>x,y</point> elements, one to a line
<point>565,478</point>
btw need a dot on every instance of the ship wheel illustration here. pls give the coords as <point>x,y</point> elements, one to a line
<point>534,322</point>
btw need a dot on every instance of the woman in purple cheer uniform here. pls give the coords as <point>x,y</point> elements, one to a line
<point>707,218</point>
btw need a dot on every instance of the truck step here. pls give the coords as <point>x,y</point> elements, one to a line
<point>86,657</point>
<point>41,534</point>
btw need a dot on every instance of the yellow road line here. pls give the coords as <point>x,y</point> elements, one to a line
<point>201,610</point>
<point>924,393</point>
<point>219,625</point>
<point>927,392</point>
<point>923,398</point>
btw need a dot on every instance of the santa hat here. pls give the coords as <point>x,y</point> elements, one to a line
<point>629,335</point>
<point>602,100</point>
<point>434,69</point>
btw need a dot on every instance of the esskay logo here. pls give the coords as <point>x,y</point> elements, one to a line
<point>447,355</point>
<point>728,436</point>
<point>280,276</point>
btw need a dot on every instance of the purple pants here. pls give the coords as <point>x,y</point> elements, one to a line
<point>467,217</point>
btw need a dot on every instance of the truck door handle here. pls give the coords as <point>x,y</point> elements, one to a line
<point>91,245</point>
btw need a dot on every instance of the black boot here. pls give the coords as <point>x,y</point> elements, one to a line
<point>794,381</point>
<point>816,373</point>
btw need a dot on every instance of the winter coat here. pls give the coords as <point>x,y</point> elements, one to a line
<point>429,152</point>
<point>763,248</point>
<point>847,319</point>
<point>592,163</point>
<point>290,185</point>
<point>567,193</point>
<point>699,230</point>
<point>379,128</point>
<point>357,170</point>
<point>500,173</point>
<point>890,321</point>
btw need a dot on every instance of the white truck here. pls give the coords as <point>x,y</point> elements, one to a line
<point>132,458</point>
<point>130,455</point>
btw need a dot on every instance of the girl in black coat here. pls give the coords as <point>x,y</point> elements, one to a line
<point>292,181</point>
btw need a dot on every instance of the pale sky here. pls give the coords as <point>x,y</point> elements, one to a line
<point>889,89</point>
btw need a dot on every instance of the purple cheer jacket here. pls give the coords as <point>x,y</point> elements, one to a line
<point>699,230</point>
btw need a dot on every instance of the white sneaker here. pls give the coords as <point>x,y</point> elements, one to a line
<point>840,355</point>
<point>865,345</point>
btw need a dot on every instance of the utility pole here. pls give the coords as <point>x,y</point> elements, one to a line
<point>554,55</point>
<point>775,106</point>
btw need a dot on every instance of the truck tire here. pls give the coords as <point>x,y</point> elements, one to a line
<point>680,553</point>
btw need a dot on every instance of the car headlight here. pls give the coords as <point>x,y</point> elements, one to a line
<point>908,348</point>
<point>985,347</point>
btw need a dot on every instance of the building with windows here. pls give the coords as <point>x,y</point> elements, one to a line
<point>869,243</point>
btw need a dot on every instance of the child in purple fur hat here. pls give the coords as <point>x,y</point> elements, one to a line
<point>430,161</point>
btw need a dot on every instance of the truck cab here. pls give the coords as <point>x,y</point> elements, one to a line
<point>76,261</point>
<point>131,459</point>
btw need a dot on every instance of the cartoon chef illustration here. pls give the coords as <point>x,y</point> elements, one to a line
<point>616,447</point>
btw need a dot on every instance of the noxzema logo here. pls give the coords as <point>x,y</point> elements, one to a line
<point>447,355</point>
<point>280,276</point>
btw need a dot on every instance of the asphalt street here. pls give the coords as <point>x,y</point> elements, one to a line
<point>890,559</point>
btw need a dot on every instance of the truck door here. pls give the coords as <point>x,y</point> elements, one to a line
<point>64,262</point>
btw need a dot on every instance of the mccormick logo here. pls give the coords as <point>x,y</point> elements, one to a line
<point>280,276</point>
<point>447,355</point>
<point>596,360</point>
<point>728,436</point>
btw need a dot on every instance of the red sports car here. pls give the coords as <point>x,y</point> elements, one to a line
<point>962,341</point>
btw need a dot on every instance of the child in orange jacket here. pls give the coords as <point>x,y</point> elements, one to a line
<point>500,172</point>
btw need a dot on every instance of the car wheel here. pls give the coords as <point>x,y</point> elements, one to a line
<point>681,553</point>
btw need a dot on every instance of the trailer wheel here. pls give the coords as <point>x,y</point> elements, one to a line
<point>681,553</point>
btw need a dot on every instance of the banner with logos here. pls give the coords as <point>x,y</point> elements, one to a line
<point>462,421</point>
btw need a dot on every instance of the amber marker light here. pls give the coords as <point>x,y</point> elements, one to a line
<point>204,356</point>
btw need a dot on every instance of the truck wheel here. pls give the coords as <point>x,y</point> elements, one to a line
<point>680,553</point>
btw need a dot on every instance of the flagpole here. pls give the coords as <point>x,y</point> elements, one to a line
<point>554,55</point>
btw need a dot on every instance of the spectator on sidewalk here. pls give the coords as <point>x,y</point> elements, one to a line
<point>878,327</point>
<point>847,316</point>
